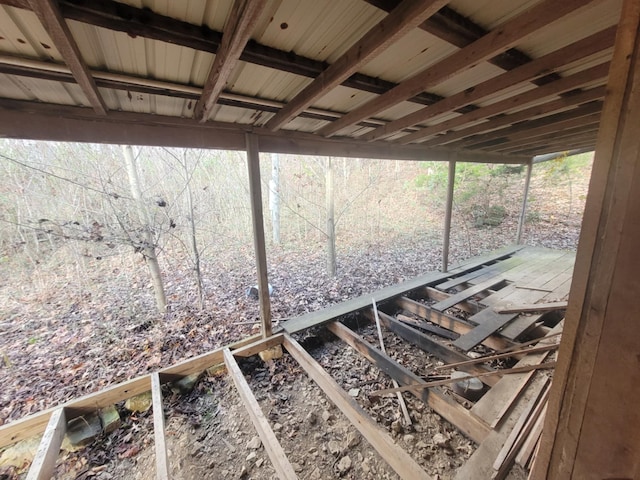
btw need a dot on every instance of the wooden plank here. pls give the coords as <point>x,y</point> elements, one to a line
<point>531,441</point>
<point>257,220</point>
<point>495,42</point>
<point>258,346</point>
<point>488,322</point>
<point>429,327</point>
<point>448,321</point>
<point>44,462</point>
<point>271,444</point>
<point>495,404</point>
<point>238,27</point>
<point>162,459</point>
<point>455,413</point>
<point>469,306</point>
<point>403,19</point>
<point>36,423</point>
<point>499,267</point>
<point>429,345</point>
<point>532,307</point>
<point>49,15</point>
<point>321,317</point>
<point>469,292</point>
<point>488,358</point>
<point>524,73</point>
<point>401,462</point>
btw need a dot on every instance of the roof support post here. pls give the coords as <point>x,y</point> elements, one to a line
<point>592,425</point>
<point>255,192</point>
<point>525,196</point>
<point>448,212</point>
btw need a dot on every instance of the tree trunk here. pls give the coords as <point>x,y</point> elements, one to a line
<point>148,249</point>
<point>274,197</point>
<point>331,225</point>
<point>194,242</point>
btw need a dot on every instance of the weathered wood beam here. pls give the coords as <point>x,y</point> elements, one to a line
<point>36,423</point>
<point>446,234</point>
<point>162,459</point>
<point>30,120</point>
<point>237,30</point>
<point>519,116</point>
<point>534,69</point>
<point>404,18</point>
<point>44,462</point>
<point>523,209</point>
<point>577,80</point>
<point>567,136</point>
<point>278,457</point>
<point>258,346</point>
<point>397,458</point>
<point>49,15</point>
<point>453,412</point>
<point>255,192</point>
<point>497,41</point>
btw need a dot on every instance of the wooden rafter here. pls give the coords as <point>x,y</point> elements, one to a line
<point>497,41</point>
<point>576,51</point>
<point>519,116</point>
<point>236,33</point>
<point>49,15</point>
<point>404,18</point>
<point>580,79</point>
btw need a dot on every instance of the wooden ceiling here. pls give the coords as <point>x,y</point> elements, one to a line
<point>492,81</point>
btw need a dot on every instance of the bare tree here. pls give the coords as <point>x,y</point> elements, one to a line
<point>331,225</point>
<point>274,197</point>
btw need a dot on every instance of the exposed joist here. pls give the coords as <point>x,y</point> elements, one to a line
<point>519,116</point>
<point>162,459</point>
<point>577,80</point>
<point>586,130</point>
<point>404,18</point>
<point>401,462</point>
<point>534,69</point>
<point>49,15</point>
<point>497,41</point>
<point>452,411</point>
<point>44,462</point>
<point>237,30</point>
<point>272,446</point>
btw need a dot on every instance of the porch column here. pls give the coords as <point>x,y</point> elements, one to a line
<point>255,191</point>
<point>447,215</point>
<point>523,211</point>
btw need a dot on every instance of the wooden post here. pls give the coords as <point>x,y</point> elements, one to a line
<point>255,190</point>
<point>331,223</point>
<point>523,211</point>
<point>44,463</point>
<point>592,427</point>
<point>274,197</point>
<point>447,216</point>
<point>162,459</point>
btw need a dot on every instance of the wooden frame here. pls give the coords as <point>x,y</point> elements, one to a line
<point>44,462</point>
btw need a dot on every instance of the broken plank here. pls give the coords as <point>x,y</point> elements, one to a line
<point>422,325</point>
<point>162,460</point>
<point>488,322</point>
<point>526,451</point>
<point>534,307</point>
<point>449,322</point>
<point>469,292</point>
<point>44,462</point>
<point>273,448</point>
<point>327,315</point>
<point>453,412</point>
<point>397,458</point>
<point>488,358</point>
<point>429,345</point>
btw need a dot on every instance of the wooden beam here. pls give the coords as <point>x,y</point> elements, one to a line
<point>523,209</point>
<point>49,15</point>
<point>401,462</point>
<point>44,462</point>
<point>162,460</point>
<point>596,93</point>
<point>592,424</point>
<point>451,411</point>
<point>272,446</point>
<point>29,120</point>
<point>469,292</point>
<point>488,358</point>
<point>36,423</point>
<point>540,307</point>
<point>451,180</point>
<point>497,41</point>
<point>535,68</point>
<point>565,84</point>
<point>258,346</point>
<point>404,18</point>
<point>579,134</point>
<point>237,30</point>
<point>255,191</point>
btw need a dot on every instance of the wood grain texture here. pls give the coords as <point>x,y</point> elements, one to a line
<point>44,462</point>
<point>162,458</point>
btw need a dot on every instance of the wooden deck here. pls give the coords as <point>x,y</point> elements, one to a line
<point>498,301</point>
